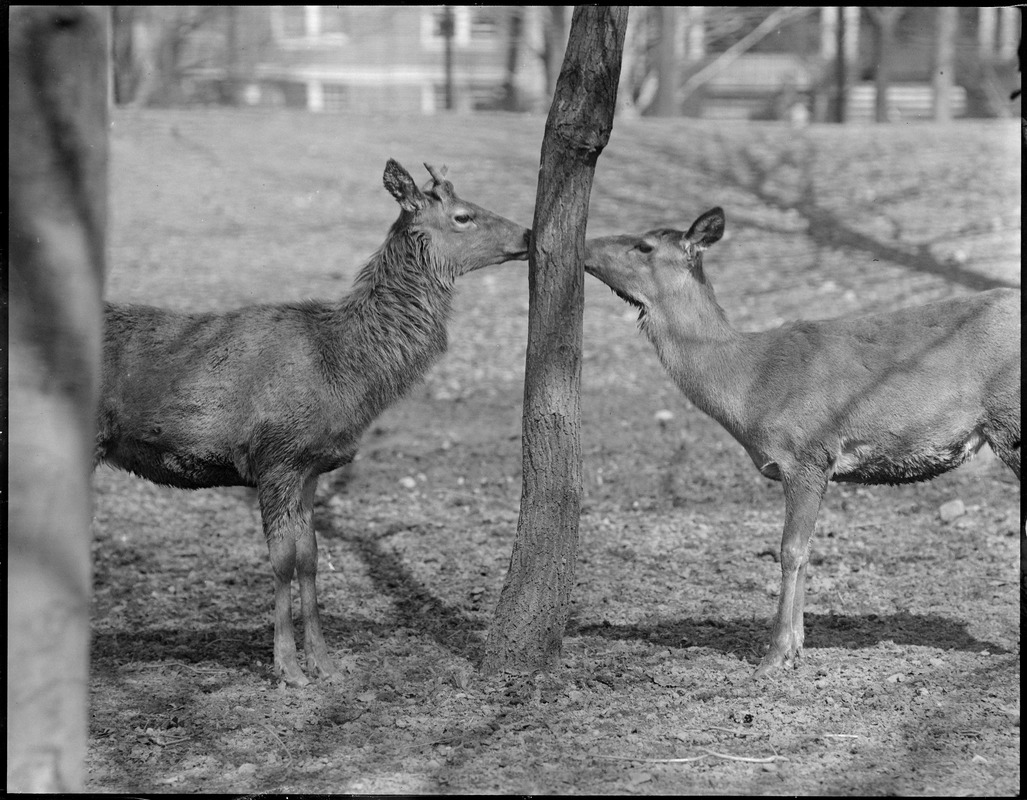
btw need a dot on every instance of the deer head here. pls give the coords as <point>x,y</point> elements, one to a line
<point>460,234</point>
<point>656,268</point>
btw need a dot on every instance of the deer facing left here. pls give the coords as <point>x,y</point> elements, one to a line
<point>272,396</point>
<point>876,399</point>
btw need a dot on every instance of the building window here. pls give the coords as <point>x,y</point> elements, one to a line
<point>335,97</point>
<point>472,25</point>
<point>484,24</point>
<point>306,26</point>
<point>476,96</point>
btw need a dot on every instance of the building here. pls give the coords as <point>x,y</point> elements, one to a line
<point>729,62</point>
<point>380,58</point>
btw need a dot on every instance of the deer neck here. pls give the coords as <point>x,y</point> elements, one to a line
<point>707,358</point>
<point>397,316</point>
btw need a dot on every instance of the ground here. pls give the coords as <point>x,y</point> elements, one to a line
<point>911,681</point>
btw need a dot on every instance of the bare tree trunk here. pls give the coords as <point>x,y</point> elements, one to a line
<point>57,193</point>
<point>944,62</point>
<point>527,631</point>
<point>885,20</point>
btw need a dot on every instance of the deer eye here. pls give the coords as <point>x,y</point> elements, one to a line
<point>644,247</point>
<point>462,219</point>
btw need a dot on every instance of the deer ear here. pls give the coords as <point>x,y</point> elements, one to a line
<point>401,186</point>
<point>708,229</point>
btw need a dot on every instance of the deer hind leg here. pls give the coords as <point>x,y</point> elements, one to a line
<point>803,495</point>
<point>316,652</point>
<point>281,511</point>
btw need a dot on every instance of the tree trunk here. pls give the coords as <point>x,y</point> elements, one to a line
<point>842,76</point>
<point>57,196</point>
<point>556,42</point>
<point>632,54</point>
<point>448,30</point>
<point>511,95</point>
<point>233,76</point>
<point>527,632</point>
<point>667,63</point>
<point>885,20</point>
<point>944,62</point>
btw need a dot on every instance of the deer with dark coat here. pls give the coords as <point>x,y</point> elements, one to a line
<point>886,398</point>
<point>272,396</point>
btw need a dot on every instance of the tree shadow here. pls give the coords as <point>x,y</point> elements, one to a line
<point>747,636</point>
<point>826,229</point>
<point>415,607</point>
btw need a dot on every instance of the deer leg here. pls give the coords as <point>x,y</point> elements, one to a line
<point>314,648</point>
<point>803,494</point>
<point>280,528</point>
<point>283,563</point>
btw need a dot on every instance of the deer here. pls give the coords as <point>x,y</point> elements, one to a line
<point>885,398</point>
<point>272,396</point>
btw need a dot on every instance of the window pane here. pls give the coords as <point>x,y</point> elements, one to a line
<point>484,23</point>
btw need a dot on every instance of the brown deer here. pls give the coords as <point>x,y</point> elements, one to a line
<point>271,396</point>
<point>878,399</point>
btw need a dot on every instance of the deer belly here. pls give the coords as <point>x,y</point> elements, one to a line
<point>898,462</point>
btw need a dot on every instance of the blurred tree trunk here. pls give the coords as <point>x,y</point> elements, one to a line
<point>515,33</point>
<point>556,43</point>
<point>885,19</point>
<point>842,72</point>
<point>448,30</point>
<point>233,71</point>
<point>632,55</point>
<point>527,632</point>
<point>57,206</point>
<point>667,63</point>
<point>150,46</point>
<point>944,61</point>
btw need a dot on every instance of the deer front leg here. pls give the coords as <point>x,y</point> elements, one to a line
<point>803,495</point>
<point>316,652</point>
<point>282,549</point>
<point>281,512</point>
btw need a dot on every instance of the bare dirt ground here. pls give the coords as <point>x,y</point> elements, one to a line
<point>911,684</point>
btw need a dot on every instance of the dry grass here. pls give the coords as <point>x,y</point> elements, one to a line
<point>911,684</point>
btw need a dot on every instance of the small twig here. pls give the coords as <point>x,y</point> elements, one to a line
<point>708,752</point>
<point>182,664</point>
<point>769,760</point>
<point>842,735</point>
<point>280,742</point>
<point>652,760</point>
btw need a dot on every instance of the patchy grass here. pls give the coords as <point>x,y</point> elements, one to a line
<point>911,682</point>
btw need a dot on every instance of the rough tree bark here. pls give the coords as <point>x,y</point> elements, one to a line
<point>58,72</point>
<point>527,631</point>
